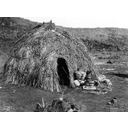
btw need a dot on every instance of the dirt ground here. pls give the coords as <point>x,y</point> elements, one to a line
<point>15,98</point>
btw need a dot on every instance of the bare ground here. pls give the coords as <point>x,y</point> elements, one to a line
<point>23,99</point>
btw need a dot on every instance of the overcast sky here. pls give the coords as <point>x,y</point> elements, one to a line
<point>88,21</point>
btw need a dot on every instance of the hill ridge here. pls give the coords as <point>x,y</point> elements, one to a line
<point>96,39</point>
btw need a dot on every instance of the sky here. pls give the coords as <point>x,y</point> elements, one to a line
<point>82,22</point>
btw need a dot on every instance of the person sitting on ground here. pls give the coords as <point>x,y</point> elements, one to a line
<point>88,76</point>
<point>79,77</point>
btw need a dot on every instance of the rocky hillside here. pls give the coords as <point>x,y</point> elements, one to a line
<point>96,39</point>
<point>102,39</point>
<point>11,29</point>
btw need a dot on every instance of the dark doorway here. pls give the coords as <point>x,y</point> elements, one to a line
<point>63,72</point>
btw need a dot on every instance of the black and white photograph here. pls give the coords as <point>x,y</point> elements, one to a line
<point>65,64</point>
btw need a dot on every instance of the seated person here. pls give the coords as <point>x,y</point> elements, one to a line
<point>79,77</point>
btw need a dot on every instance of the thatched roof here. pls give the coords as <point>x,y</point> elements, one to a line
<point>35,58</point>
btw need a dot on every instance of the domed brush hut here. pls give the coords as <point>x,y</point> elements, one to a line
<point>47,57</point>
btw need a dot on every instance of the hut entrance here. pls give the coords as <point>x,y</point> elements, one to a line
<point>63,72</point>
